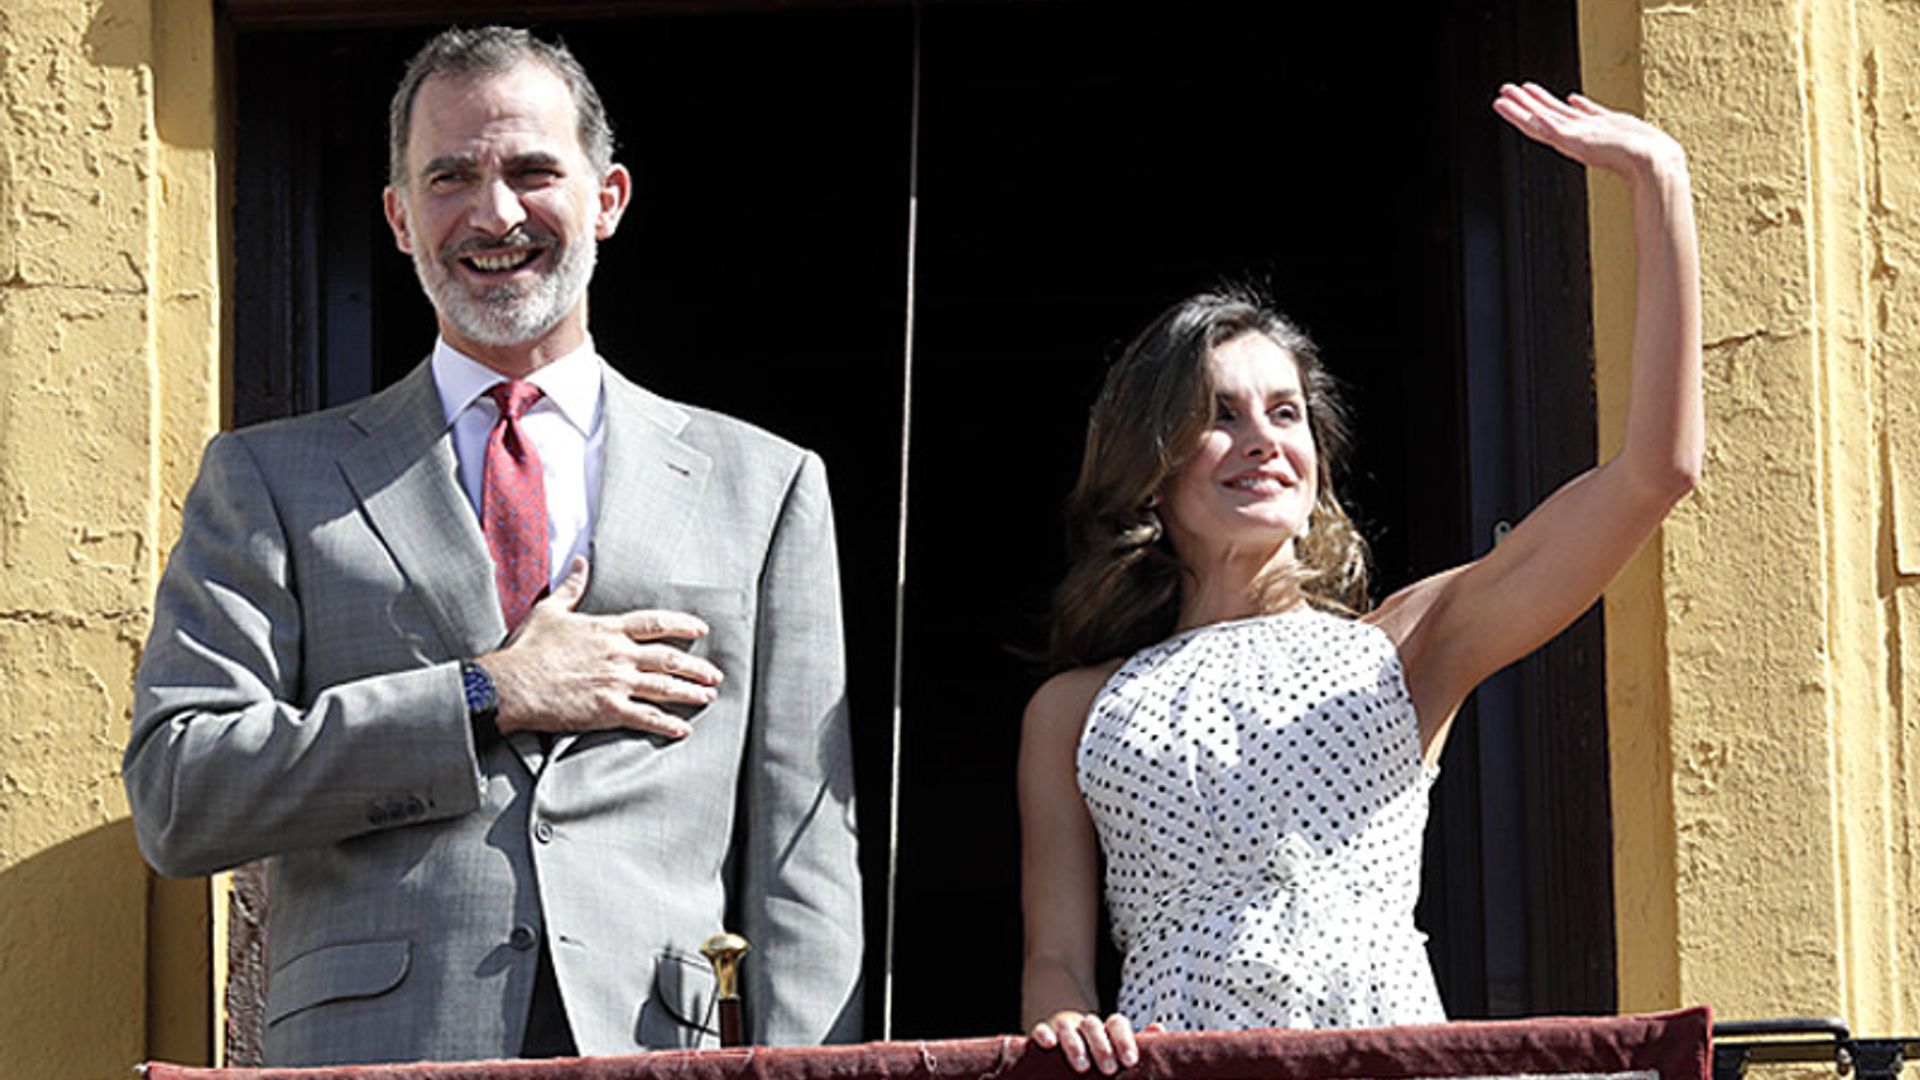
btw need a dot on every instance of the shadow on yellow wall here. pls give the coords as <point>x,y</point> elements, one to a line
<point>75,959</point>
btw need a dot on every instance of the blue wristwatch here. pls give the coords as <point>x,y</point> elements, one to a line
<point>483,702</point>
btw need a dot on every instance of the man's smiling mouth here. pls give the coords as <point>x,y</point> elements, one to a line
<point>488,255</point>
<point>502,261</point>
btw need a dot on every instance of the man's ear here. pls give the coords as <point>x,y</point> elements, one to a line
<point>396,207</point>
<point>616,188</point>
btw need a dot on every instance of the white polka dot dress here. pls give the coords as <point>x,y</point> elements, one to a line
<point>1259,794</point>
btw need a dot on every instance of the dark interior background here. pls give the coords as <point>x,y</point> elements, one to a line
<point>1077,167</point>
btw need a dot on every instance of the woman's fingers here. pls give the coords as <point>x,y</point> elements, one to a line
<point>1088,1042</point>
<point>1546,101</point>
<point>1120,1034</point>
<point>1062,1031</point>
<point>1094,1033</point>
<point>1586,104</point>
<point>1580,128</point>
<point>1588,132</point>
<point>1519,108</point>
<point>1072,1046</point>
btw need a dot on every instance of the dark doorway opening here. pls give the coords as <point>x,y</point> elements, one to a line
<point>1081,169</point>
<point>1079,165</point>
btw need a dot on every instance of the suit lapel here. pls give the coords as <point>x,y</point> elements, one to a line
<point>651,485</point>
<point>407,477</point>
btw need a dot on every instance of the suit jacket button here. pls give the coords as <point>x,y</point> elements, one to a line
<point>522,937</point>
<point>542,832</point>
<point>415,807</point>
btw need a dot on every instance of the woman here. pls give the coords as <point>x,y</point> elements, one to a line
<point>1254,758</point>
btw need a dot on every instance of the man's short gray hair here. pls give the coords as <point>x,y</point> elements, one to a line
<point>493,50</point>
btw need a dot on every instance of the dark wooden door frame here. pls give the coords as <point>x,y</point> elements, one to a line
<point>1534,765</point>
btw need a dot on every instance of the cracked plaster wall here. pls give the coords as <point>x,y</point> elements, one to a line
<point>109,364</point>
<point>1766,741</point>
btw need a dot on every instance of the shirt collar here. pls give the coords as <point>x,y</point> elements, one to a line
<point>572,382</point>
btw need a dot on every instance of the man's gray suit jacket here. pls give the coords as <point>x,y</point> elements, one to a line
<point>300,698</point>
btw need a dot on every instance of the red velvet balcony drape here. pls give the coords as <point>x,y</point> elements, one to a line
<point>1666,1046</point>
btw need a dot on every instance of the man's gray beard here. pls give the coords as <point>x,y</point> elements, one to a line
<point>504,315</point>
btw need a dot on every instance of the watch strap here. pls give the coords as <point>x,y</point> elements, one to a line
<point>483,703</point>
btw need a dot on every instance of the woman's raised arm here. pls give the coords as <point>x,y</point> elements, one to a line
<point>1458,627</point>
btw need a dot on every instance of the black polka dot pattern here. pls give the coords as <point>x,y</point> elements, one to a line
<point>1260,798</point>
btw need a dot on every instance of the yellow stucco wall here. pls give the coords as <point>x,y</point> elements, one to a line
<point>109,365</point>
<point>1766,737</point>
<point>1765,746</point>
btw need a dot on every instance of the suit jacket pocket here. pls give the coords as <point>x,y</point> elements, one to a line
<point>335,973</point>
<point>682,1011</point>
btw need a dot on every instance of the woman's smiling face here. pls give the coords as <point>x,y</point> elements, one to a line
<point>1250,484</point>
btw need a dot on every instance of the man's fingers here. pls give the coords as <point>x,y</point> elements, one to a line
<point>573,586</point>
<point>640,716</point>
<point>678,663</point>
<point>667,690</point>
<point>656,624</point>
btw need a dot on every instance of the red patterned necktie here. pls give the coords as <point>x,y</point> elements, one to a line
<point>513,503</point>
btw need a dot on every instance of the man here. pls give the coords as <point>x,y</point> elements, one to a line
<point>503,820</point>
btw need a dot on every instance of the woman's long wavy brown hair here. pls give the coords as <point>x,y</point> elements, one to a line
<point>1123,583</point>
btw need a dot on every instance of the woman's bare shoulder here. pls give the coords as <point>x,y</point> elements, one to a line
<point>1065,698</point>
